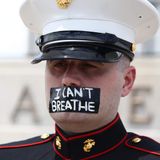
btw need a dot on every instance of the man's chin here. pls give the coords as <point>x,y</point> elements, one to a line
<point>66,118</point>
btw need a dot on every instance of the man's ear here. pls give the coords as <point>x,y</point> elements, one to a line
<point>129,77</point>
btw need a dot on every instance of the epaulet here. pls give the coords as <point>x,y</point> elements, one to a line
<point>29,142</point>
<point>144,144</point>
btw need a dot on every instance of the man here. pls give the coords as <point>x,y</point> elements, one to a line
<point>88,46</point>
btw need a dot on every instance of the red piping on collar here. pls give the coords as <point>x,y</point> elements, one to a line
<point>96,155</point>
<point>89,134</point>
<point>27,145</point>
<point>141,149</point>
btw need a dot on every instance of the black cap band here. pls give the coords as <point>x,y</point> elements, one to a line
<point>83,45</point>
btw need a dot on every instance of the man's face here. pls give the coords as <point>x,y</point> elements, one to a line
<point>109,77</point>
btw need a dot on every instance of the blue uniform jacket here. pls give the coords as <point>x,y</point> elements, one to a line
<point>110,142</point>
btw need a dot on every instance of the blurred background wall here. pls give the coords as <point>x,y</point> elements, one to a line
<point>23,110</point>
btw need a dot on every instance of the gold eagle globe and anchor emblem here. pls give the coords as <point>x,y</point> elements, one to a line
<point>88,145</point>
<point>63,3</point>
<point>58,143</point>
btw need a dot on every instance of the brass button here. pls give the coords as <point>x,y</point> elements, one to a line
<point>136,140</point>
<point>44,136</point>
<point>88,145</point>
<point>58,142</point>
<point>133,47</point>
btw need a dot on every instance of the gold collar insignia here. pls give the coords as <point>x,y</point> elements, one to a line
<point>88,145</point>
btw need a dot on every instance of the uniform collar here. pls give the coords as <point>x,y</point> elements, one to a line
<point>91,144</point>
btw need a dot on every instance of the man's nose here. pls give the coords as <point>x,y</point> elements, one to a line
<point>71,77</point>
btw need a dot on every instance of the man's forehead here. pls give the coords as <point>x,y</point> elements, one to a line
<point>74,61</point>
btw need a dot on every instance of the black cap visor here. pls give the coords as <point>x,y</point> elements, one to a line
<point>81,45</point>
<point>90,52</point>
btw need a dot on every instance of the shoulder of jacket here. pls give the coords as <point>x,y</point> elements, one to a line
<point>143,143</point>
<point>39,140</point>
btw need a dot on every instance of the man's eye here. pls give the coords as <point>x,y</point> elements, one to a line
<point>89,65</point>
<point>58,64</point>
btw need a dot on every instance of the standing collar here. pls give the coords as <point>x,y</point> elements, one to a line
<point>90,144</point>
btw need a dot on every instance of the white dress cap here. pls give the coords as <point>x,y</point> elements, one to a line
<point>131,20</point>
